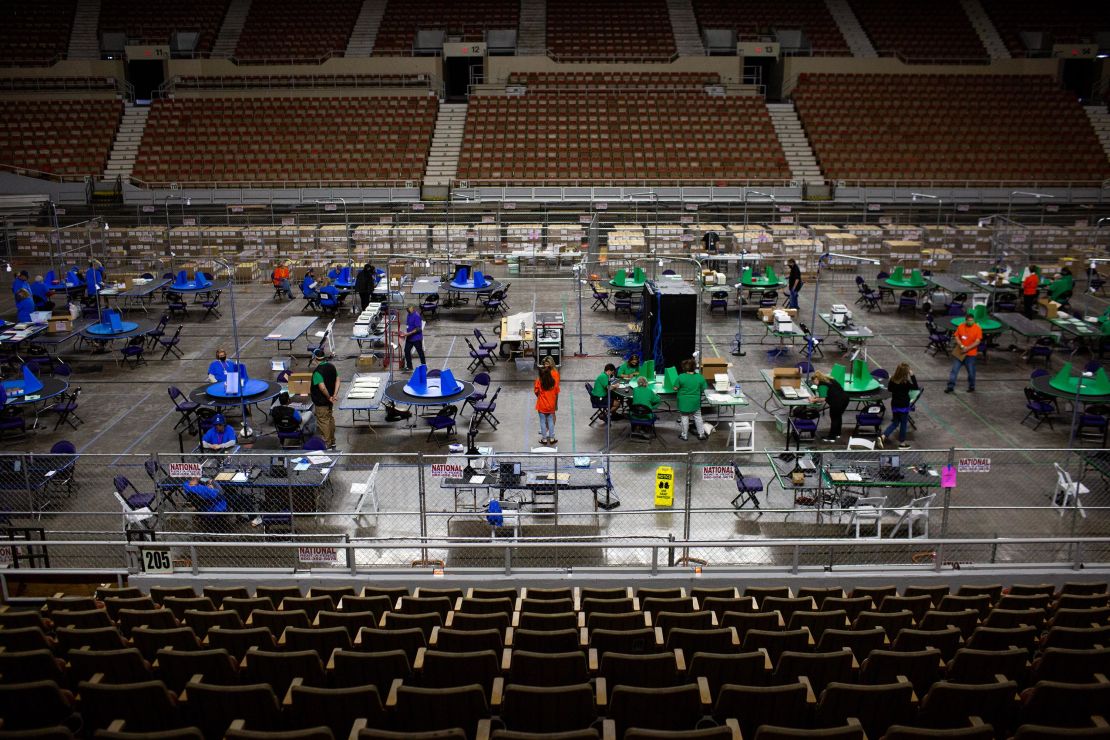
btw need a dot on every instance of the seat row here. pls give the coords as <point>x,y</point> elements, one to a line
<point>35,32</point>
<point>753,17</point>
<point>291,29</point>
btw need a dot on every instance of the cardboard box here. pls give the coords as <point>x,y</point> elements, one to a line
<point>1051,307</point>
<point>59,324</point>
<point>713,366</point>
<point>781,376</point>
<point>766,314</point>
<point>300,383</point>
<point>369,362</point>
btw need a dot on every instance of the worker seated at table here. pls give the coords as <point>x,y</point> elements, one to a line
<point>207,498</point>
<point>41,294</point>
<point>329,295</point>
<point>335,271</point>
<point>220,367</point>
<point>644,395</point>
<point>600,387</point>
<point>1061,288</point>
<point>24,306</point>
<point>630,368</point>
<point>309,284</point>
<point>73,278</point>
<point>288,419</point>
<point>280,279</point>
<point>221,437</point>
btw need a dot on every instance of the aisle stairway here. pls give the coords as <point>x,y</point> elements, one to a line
<point>851,29</point>
<point>988,34</point>
<point>799,155</point>
<point>365,33</point>
<point>443,159</point>
<point>84,41</point>
<point>231,29</point>
<point>125,148</point>
<point>684,26</point>
<point>532,35</point>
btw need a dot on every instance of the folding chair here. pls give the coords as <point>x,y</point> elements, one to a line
<point>747,487</point>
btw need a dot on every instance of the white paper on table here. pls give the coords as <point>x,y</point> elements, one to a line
<point>319,459</point>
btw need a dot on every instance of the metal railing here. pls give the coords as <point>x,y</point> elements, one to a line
<point>1005,510</point>
<point>275,184</point>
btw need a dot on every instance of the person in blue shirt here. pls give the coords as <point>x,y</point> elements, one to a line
<point>220,438</point>
<point>210,497</point>
<point>308,285</point>
<point>329,296</point>
<point>21,282</point>
<point>24,306</point>
<point>414,336</point>
<point>220,367</point>
<point>73,278</point>
<point>40,293</point>
<point>94,276</point>
<point>333,273</point>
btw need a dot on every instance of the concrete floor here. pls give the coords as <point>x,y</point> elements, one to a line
<point>127,412</point>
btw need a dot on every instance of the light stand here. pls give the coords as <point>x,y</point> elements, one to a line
<point>1038,196</point>
<point>816,295</point>
<point>578,270</point>
<point>940,203</point>
<point>245,432</point>
<point>739,351</point>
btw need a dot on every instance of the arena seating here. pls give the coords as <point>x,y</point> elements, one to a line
<point>982,128</point>
<point>35,33</point>
<point>155,22</point>
<point>60,137</point>
<point>404,17</point>
<point>760,16</point>
<point>1069,21</point>
<point>295,81</point>
<point>921,32</point>
<point>605,30</point>
<point>633,135</point>
<point>1002,659</point>
<point>289,30</point>
<point>287,139</point>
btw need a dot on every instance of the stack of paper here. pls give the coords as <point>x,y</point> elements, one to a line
<point>365,386</point>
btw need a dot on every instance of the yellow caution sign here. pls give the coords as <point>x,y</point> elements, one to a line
<point>664,485</point>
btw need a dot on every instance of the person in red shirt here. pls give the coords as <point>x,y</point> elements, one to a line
<point>280,278</point>
<point>969,336</point>
<point>1029,291</point>
<point>546,389</point>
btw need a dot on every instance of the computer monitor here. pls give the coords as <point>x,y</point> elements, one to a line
<point>889,460</point>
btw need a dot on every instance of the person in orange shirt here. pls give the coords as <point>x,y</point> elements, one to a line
<point>546,389</point>
<point>969,336</point>
<point>280,278</point>
<point>1029,291</point>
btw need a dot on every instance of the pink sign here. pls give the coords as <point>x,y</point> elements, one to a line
<point>948,477</point>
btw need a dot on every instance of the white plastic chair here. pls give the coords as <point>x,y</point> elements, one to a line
<point>1068,490</point>
<point>868,510</point>
<point>743,433</point>
<point>859,443</point>
<point>980,299</point>
<point>917,510</point>
<point>142,519</point>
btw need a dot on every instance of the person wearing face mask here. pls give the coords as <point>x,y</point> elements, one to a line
<point>220,367</point>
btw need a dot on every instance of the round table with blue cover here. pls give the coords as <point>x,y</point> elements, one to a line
<point>98,333</point>
<point>51,388</point>
<point>258,391</point>
<point>396,393</point>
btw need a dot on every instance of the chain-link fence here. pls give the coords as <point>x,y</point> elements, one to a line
<point>777,510</point>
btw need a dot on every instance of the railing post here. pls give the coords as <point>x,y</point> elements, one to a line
<point>686,514</point>
<point>351,549</point>
<point>423,506</point>
<point>947,496</point>
<point>193,559</point>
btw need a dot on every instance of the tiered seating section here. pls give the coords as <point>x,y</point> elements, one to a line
<point>563,660</point>
<point>935,31</point>
<point>291,30</point>
<point>608,30</point>
<point>761,16</point>
<point>290,139</point>
<point>35,33</point>
<point>254,82</point>
<point>1069,21</point>
<point>155,22</point>
<point>602,135</point>
<point>982,128</point>
<point>403,18</point>
<point>59,137</point>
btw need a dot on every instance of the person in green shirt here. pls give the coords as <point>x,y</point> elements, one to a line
<point>688,390</point>
<point>1063,285</point>
<point>601,387</point>
<point>630,368</point>
<point>643,395</point>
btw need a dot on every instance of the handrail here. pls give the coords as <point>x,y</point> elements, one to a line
<point>279,184</point>
<point>61,83</point>
<point>294,81</point>
<point>590,58</point>
<point>51,176</point>
<point>616,182</point>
